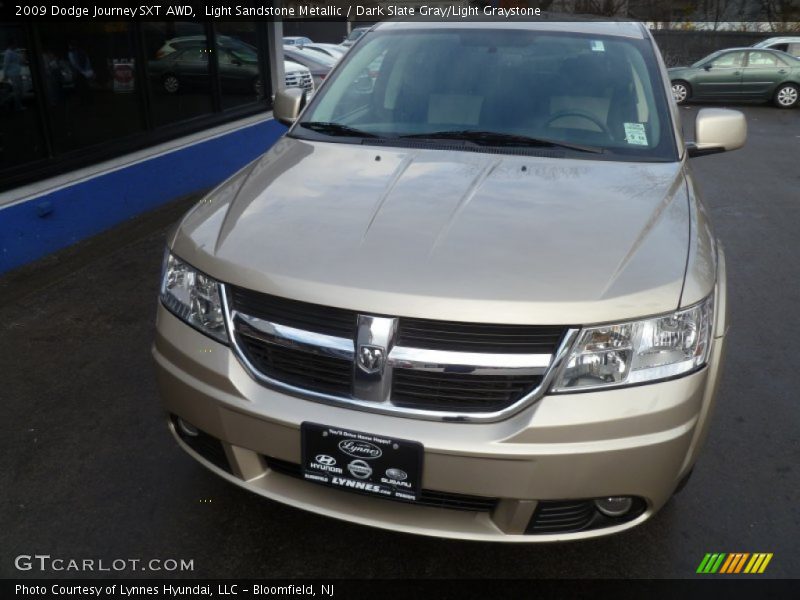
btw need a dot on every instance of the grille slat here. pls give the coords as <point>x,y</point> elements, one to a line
<point>561,516</point>
<point>316,373</point>
<point>456,391</point>
<point>294,313</point>
<point>468,337</point>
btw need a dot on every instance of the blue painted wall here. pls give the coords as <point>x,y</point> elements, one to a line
<point>32,229</point>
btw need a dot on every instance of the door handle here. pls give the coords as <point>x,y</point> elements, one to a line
<point>737,72</point>
<point>782,71</point>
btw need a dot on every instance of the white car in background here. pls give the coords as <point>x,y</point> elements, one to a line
<point>788,44</point>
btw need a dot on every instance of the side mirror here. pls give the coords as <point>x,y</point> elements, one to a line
<point>718,130</point>
<point>707,66</point>
<point>288,104</point>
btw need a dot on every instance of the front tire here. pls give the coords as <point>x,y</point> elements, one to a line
<point>786,96</point>
<point>681,91</point>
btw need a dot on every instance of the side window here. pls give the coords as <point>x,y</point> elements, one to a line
<point>794,49</point>
<point>762,59</point>
<point>781,47</point>
<point>732,59</point>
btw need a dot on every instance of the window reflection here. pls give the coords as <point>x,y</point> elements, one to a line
<point>89,76</point>
<point>20,136</point>
<point>178,68</point>
<point>237,56</point>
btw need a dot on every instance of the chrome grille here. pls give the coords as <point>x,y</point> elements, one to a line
<point>416,367</point>
<point>301,79</point>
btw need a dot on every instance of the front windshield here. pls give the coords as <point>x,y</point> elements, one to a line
<point>603,92</point>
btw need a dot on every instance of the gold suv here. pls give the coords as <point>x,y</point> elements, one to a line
<point>471,293</point>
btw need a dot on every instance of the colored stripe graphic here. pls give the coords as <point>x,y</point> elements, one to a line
<point>734,562</point>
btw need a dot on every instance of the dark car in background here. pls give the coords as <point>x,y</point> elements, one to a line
<point>746,74</point>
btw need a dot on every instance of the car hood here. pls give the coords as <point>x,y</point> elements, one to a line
<point>448,234</point>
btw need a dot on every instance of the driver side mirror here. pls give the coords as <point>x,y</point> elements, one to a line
<point>718,130</point>
<point>288,104</point>
<point>708,66</point>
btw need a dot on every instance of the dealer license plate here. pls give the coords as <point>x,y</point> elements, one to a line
<point>362,462</point>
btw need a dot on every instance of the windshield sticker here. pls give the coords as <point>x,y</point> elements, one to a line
<point>598,46</point>
<point>634,134</point>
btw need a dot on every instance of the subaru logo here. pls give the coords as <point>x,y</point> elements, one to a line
<point>396,474</point>
<point>324,459</point>
<point>370,358</point>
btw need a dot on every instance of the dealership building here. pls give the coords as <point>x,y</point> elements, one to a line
<point>97,127</point>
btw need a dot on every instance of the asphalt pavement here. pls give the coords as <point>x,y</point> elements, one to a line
<point>88,469</point>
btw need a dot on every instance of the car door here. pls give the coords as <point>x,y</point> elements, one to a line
<point>762,72</point>
<point>721,76</point>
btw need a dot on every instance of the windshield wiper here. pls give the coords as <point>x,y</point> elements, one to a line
<point>492,138</point>
<point>337,129</point>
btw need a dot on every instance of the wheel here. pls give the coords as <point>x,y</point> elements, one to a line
<point>681,91</point>
<point>171,83</point>
<point>786,96</point>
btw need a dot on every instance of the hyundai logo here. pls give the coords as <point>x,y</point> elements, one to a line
<point>359,449</point>
<point>324,459</point>
<point>371,358</point>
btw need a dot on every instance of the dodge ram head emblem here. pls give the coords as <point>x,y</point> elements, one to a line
<point>370,358</point>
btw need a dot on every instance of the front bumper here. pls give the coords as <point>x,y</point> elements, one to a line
<point>638,441</point>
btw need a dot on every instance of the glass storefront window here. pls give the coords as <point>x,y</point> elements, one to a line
<point>20,135</point>
<point>178,68</point>
<point>238,63</point>
<point>89,70</point>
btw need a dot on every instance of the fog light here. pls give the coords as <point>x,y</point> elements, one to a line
<point>188,429</point>
<point>614,506</point>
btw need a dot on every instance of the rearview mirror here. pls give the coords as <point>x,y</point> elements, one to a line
<point>718,130</point>
<point>288,104</point>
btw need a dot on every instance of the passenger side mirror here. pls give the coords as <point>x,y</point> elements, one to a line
<point>288,104</point>
<point>717,130</point>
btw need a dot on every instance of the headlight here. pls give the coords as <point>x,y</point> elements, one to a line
<point>639,351</point>
<point>194,297</point>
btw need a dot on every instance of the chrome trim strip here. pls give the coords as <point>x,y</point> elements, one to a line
<point>290,337</point>
<point>387,408</point>
<point>473,363</point>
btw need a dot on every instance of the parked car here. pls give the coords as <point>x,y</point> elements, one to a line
<point>485,303</point>
<point>788,44</point>
<point>319,64</point>
<point>333,50</point>
<point>296,41</point>
<point>745,74</point>
<point>192,41</point>
<point>238,71</point>
<point>354,35</point>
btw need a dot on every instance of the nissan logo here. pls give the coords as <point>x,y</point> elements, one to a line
<point>359,469</point>
<point>359,449</point>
